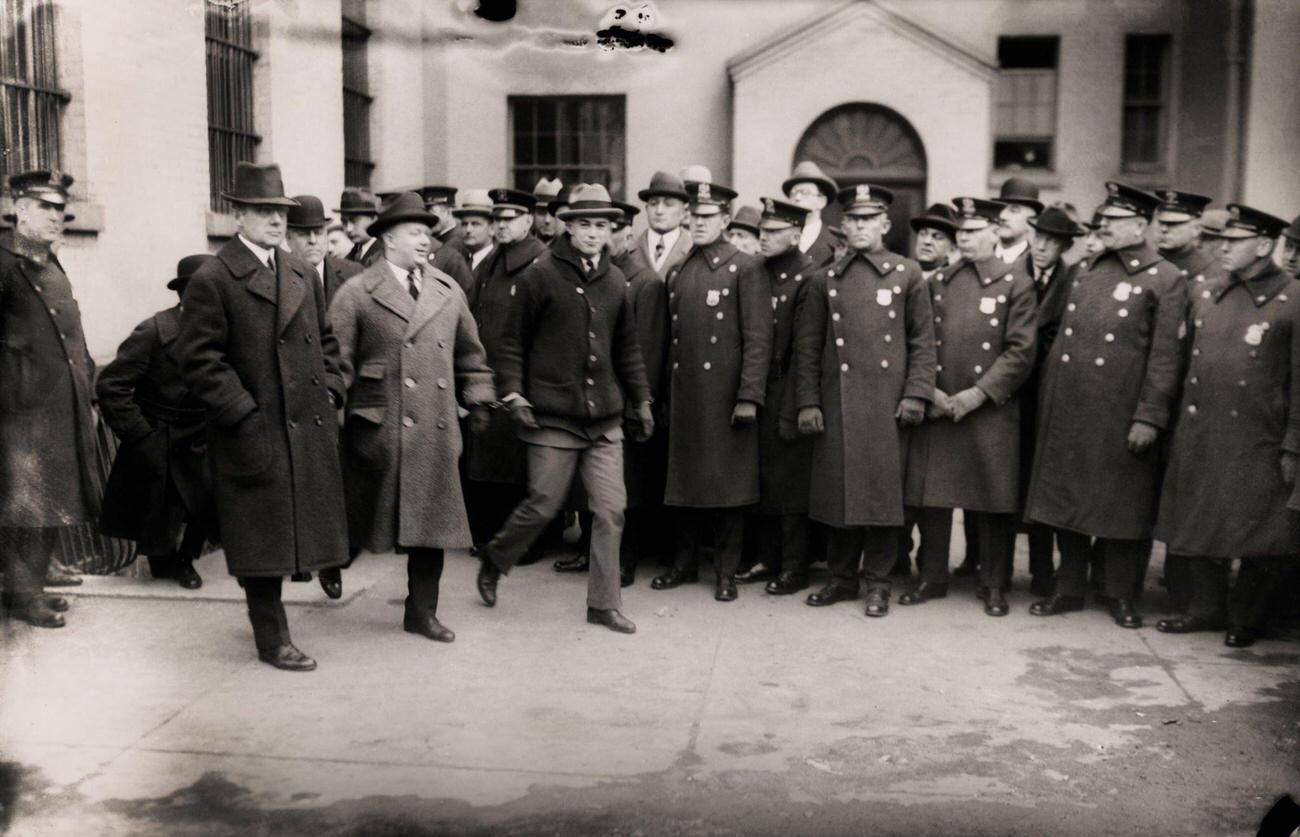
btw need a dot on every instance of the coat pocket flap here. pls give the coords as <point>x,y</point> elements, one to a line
<point>372,414</point>
<point>372,370</point>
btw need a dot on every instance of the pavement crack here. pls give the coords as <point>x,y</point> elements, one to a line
<point>1169,670</point>
<point>689,757</point>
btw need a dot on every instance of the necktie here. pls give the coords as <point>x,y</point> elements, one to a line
<point>587,266</point>
<point>659,249</point>
<point>270,261</point>
<point>411,286</point>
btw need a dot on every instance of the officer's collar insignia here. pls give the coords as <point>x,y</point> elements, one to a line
<point>769,206</point>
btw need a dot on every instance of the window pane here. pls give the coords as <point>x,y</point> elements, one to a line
<point>230,96</point>
<point>31,105</point>
<point>1146,76</point>
<point>575,138</point>
<point>1024,117</point>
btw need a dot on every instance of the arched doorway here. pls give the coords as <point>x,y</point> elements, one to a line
<point>867,143</point>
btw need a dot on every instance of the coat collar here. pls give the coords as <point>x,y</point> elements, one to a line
<point>632,261</point>
<point>562,250</point>
<point>435,291</point>
<point>988,271</point>
<point>785,267</point>
<point>882,261</point>
<point>292,274</point>
<point>519,254</point>
<point>715,255</point>
<point>1262,288</point>
<point>1134,259</point>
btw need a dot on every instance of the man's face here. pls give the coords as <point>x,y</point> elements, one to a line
<point>357,226</point>
<point>1045,250</point>
<point>808,196</point>
<point>262,225</point>
<point>775,242</point>
<point>1175,235</point>
<point>544,222</point>
<point>978,243</point>
<point>442,212</point>
<point>1013,223</point>
<point>407,245</point>
<point>37,220</point>
<point>865,232</point>
<point>512,229</point>
<point>665,214</point>
<point>1092,242</point>
<point>743,240</point>
<point>307,244</point>
<point>1117,233</point>
<point>589,235</point>
<point>932,246</point>
<point>620,240</point>
<point>706,229</point>
<point>1240,253</point>
<point>339,243</point>
<point>1291,257</point>
<point>478,231</point>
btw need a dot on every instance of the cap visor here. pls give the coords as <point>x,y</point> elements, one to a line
<point>773,225</point>
<point>705,209</point>
<point>1173,216</point>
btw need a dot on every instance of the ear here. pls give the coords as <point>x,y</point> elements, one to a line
<point>885,225</point>
<point>1264,247</point>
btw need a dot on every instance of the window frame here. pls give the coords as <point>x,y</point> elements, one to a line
<point>1162,104</point>
<point>358,151</point>
<point>524,175</point>
<point>1052,139</point>
<point>241,87</point>
<point>44,100</point>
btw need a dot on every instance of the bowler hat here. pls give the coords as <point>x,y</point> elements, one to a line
<point>1055,221</point>
<point>629,212</point>
<point>1020,191</point>
<point>406,207</point>
<point>309,214</point>
<point>864,199</point>
<point>806,171</point>
<point>1293,232</point>
<point>746,218</point>
<point>589,200</point>
<point>664,184</point>
<point>258,185</point>
<point>474,202</point>
<point>186,268</point>
<point>357,201</point>
<point>939,216</point>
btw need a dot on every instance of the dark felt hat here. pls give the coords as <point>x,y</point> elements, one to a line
<point>939,216</point>
<point>629,212</point>
<point>589,200</point>
<point>746,218</point>
<point>434,195</point>
<point>664,184</point>
<point>258,185</point>
<point>1055,221</point>
<point>308,214</point>
<point>1293,232</point>
<point>1019,190</point>
<point>186,268</point>
<point>406,207</point>
<point>355,201</point>
<point>806,171</point>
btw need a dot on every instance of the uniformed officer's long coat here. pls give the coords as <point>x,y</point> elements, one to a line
<point>48,462</point>
<point>405,362</point>
<point>984,329</point>
<point>497,455</point>
<point>864,340</point>
<point>784,466</point>
<point>1223,493</point>
<point>1117,359</point>
<point>257,349</point>
<point>721,325</point>
<point>1051,306</point>
<point>645,464</point>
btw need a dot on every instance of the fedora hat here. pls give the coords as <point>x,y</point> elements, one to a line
<point>1055,221</point>
<point>355,201</point>
<point>547,189</point>
<point>473,202</point>
<point>939,216</point>
<point>806,171</point>
<point>664,184</point>
<point>629,212</point>
<point>406,207</point>
<point>186,268</point>
<point>309,213</point>
<point>589,200</point>
<point>258,185</point>
<point>746,218</point>
<point>1019,190</point>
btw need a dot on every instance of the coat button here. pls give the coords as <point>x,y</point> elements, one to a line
<point>1069,332</point>
<point>885,266</point>
<point>307,338</point>
<point>713,338</point>
<point>591,382</point>
<point>938,367</point>
<point>1232,413</point>
<point>892,314</point>
<point>986,346</point>
<point>54,311</point>
<point>281,341</point>
<point>1070,307</point>
<point>315,380</point>
<point>719,315</point>
<point>1123,312</point>
<point>442,383</point>
<point>442,425</point>
<point>844,367</point>
<point>1196,352</point>
<point>1241,383</point>
<point>937,342</point>
<point>442,344</point>
<point>407,421</point>
<point>832,293</point>
<point>318,421</point>
<point>993,322</point>
<point>580,291</point>
<point>409,383</point>
<point>884,364</point>
<point>839,341</point>
<point>835,317</point>
<point>591,335</point>
<point>409,344</point>
<point>1065,358</point>
<point>708,365</point>
<point>591,358</point>
<point>889,338</point>
<point>1191,409</point>
<point>1101,361</point>
<point>938,319</point>
<point>292,424</point>
<point>979,370</point>
<point>1109,338</point>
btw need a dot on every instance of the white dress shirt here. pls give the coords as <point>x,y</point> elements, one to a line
<point>811,230</point>
<point>402,275</point>
<point>476,258</point>
<point>263,253</point>
<point>669,239</point>
<point>1009,254</point>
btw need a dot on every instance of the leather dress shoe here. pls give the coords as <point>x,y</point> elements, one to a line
<point>724,590</point>
<point>995,602</point>
<point>1055,605</point>
<point>611,619</point>
<point>1189,624</point>
<point>488,576</point>
<point>830,594</point>
<point>189,578</point>
<point>758,572</point>
<point>923,592</point>
<point>1042,585</point>
<point>56,603</point>
<point>287,658</point>
<point>579,563</point>
<point>626,576</point>
<point>1124,614</point>
<point>789,581</point>
<point>36,611</point>
<point>674,578</point>
<point>428,626</point>
<point>877,602</point>
<point>1238,637</point>
<point>58,577</point>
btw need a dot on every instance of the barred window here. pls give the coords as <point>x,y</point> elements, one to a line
<point>1025,119</point>
<point>1146,102</point>
<point>31,102</point>
<point>231,139</point>
<point>579,139</point>
<point>357,161</point>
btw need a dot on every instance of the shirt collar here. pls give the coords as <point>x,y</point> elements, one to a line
<point>400,275</point>
<point>263,254</point>
<point>1010,254</point>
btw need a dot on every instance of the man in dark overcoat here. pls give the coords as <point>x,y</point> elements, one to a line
<point>446,244</point>
<point>1230,489</point>
<point>967,454</point>
<point>49,477</point>
<point>1108,392</point>
<point>664,242</point>
<point>255,346</point>
<point>571,372</point>
<point>305,235</point>
<point>358,208</point>
<point>864,373</point>
<point>408,347</point>
<point>811,188</point>
<point>159,483</point>
<point>720,319</point>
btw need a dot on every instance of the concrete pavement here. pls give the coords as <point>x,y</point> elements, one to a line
<point>152,716</point>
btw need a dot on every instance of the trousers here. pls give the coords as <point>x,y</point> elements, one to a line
<point>1124,561</point>
<point>994,536</point>
<point>25,555</point>
<point>873,548</point>
<point>719,531</point>
<point>266,612</point>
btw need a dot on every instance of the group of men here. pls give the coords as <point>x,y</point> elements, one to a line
<point>756,391</point>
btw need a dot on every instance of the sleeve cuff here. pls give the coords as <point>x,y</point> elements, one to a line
<point>233,413</point>
<point>918,389</point>
<point>478,395</point>
<point>1152,414</point>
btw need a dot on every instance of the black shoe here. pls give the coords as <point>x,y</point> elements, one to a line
<point>331,581</point>
<point>967,569</point>
<point>1122,611</point>
<point>626,576</point>
<point>789,581</point>
<point>1055,605</point>
<point>58,604</point>
<point>674,578</point>
<point>758,572</point>
<point>1043,585</point>
<point>995,602</point>
<point>59,577</point>
<point>287,658</point>
<point>923,592</point>
<point>830,594</point>
<point>38,612</point>
<point>428,626</point>
<point>1189,624</point>
<point>488,576</point>
<point>1238,637</point>
<point>189,578</point>
<point>300,577</point>
<point>877,602</point>
<point>579,563</point>
<point>724,590</point>
<point>611,619</point>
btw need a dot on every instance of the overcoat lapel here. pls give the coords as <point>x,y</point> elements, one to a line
<point>433,296</point>
<point>293,289</point>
